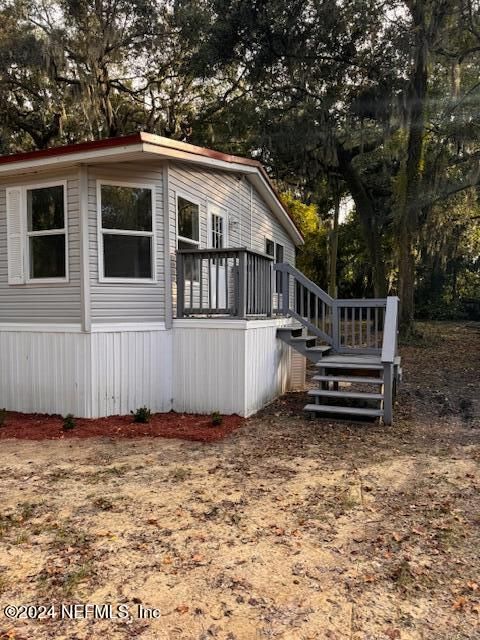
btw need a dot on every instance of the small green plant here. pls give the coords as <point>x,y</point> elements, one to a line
<point>142,415</point>
<point>217,419</point>
<point>3,417</point>
<point>69,422</point>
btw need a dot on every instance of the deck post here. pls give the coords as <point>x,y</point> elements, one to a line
<point>335,325</point>
<point>387,393</point>
<point>285,292</point>
<point>242,285</point>
<point>180,286</point>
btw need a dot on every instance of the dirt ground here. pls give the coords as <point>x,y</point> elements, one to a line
<point>289,528</point>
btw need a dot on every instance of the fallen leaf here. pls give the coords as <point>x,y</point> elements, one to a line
<point>197,558</point>
<point>459,603</point>
<point>182,608</point>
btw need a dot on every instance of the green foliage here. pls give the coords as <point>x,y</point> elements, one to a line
<point>217,419</point>
<point>69,422</point>
<point>142,415</point>
<point>312,257</point>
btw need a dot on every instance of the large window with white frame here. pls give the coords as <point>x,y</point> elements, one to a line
<point>46,231</point>
<point>126,222</point>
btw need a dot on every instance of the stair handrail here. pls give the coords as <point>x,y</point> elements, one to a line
<point>390,332</point>
<point>285,267</point>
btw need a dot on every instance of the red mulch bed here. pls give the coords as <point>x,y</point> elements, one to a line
<point>35,426</point>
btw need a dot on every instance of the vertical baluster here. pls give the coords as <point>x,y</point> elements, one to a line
<point>368,327</point>
<point>263,266</point>
<point>361,328</point>
<point>225,263</point>
<point>201,283</point>
<point>353,326</point>
<point>191,281</point>
<point>180,285</point>
<point>253,308</point>
<point>257,285</point>
<point>376,328</point>
<point>249,281</point>
<point>209,280</point>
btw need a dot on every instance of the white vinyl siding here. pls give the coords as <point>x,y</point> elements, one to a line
<point>249,221</point>
<point>39,302</point>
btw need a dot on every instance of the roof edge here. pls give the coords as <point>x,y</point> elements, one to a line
<point>158,141</point>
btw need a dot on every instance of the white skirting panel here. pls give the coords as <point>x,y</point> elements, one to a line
<point>267,367</point>
<point>87,374</point>
<point>45,372</point>
<point>197,367</point>
<point>131,369</point>
<point>228,366</point>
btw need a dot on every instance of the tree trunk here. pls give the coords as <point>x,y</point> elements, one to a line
<point>333,248</point>
<point>368,220</point>
<point>412,173</point>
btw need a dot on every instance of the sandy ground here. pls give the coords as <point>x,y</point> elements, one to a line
<point>289,528</point>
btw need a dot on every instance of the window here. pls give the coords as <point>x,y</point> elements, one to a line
<point>188,221</point>
<point>126,244</point>
<point>275,250</point>
<point>278,275</point>
<point>269,247</point>
<point>46,233</point>
<point>217,231</point>
<point>188,234</point>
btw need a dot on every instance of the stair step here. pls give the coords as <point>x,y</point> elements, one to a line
<point>345,394</point>
<point>351,411</point>
<point>309,341</point>
<point>348,379</point>
<point>322,348</point>
<point>348,365</point>
<point>290,332</point>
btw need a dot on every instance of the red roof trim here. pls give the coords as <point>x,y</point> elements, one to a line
<point>135,138</point>
<point>140,138</point>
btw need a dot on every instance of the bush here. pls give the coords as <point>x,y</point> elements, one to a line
<point>217,419</point>
<point>142,415</point>
<point>69,422</point>
<point>3,417</point>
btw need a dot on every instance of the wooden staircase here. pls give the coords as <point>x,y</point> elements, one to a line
<point>352,344</point>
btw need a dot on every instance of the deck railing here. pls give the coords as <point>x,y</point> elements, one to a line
<point>224,282</point>
<point>355,325</point>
